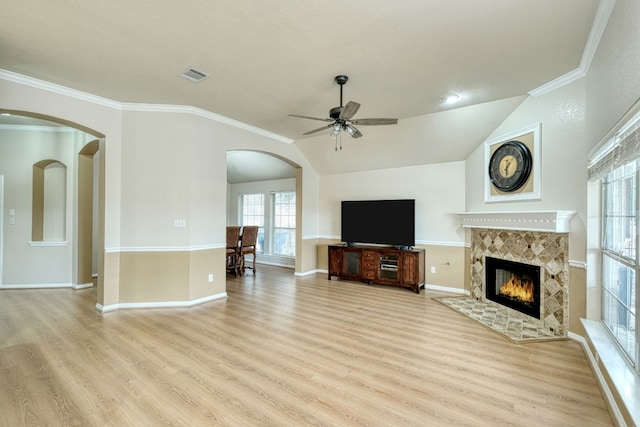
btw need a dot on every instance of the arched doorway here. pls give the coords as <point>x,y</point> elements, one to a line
<point>81,146</point>
<point>265,176</point>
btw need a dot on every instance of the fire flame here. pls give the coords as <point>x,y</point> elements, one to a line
<point>516,288</point>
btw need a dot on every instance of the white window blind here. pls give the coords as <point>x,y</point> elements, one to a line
<point>623,148</point>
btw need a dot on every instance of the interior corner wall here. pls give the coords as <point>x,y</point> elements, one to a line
<point>562,159</point>
<point>563,170</point>
<point>159,165</point>
<point>613,86</point>
<point>612,98</point>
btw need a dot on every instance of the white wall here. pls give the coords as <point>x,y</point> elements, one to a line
<point>161,164</point>
<point>562,158</point>
<point>613,86</point>
<point>20,149</point>
<point>439,191</point>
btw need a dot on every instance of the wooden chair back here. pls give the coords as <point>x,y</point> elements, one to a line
<point>233,236</point>
<point>249,237</point>
<point>233,249</point>
<point>248,243</point>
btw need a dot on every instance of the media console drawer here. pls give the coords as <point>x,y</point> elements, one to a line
<point>388,266</point>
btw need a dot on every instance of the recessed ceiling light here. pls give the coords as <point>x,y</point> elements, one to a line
<point>194,75</point>
<point>451,99</point>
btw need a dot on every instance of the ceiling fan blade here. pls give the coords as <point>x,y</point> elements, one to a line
<point>349,110</point>
<point>319,129</point>
<point>308,117</point>
<point>374,122</point>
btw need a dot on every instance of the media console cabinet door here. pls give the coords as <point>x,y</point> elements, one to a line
<point>409,269</point>
<point>335,259</point>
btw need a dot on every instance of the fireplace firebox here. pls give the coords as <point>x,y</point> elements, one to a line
<point>513,284</point>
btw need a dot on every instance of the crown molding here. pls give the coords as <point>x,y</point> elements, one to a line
<point>60,90</point>
<point>186,109</point>
<point>595,35</point>
<point>158,108</point>
<point>561,81</point>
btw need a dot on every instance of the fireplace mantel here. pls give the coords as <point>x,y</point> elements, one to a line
<point>549,221</point>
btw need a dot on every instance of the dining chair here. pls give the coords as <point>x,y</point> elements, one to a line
<point>233,249</point>
<point>248,242</point>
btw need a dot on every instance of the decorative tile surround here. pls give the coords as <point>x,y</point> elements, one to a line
<point>548,250</point>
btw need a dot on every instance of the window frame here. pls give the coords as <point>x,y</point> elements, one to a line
<point>274,220</point>
<point>620,257</point>
<point>252,218</point>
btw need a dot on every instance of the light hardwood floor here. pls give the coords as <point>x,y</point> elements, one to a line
<point>281,351</point>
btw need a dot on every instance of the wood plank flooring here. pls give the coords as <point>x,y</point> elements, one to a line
<point>281,351</point>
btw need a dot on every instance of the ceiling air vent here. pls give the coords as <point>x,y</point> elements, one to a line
<point>194,75</point>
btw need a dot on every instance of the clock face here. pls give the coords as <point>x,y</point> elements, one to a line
<point>510,166</point>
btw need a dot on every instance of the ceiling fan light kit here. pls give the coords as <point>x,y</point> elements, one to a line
<point>341,118</point>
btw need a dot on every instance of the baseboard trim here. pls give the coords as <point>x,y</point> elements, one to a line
<point>160,304</point>
<point>447,289</point>
<point>310,272</point>
<point>606,391</point>
<point>48,286</point>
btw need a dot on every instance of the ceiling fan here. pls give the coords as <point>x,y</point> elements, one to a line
<point>341,117</point>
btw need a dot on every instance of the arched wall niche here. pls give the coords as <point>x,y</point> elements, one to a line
<point>48,205</point>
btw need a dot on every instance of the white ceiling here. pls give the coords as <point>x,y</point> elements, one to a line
<point>251,166</point>
<point>266,60</point>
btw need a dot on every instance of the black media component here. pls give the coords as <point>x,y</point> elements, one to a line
<point>383,222</point>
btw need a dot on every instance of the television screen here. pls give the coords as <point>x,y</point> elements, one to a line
<point>384,222</point>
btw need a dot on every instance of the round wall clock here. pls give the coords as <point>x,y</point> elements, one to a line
<point>510,166</point>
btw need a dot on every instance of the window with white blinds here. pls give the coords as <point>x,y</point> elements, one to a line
<point>616,165</point>
<point>284,223</point>
<point>252,213</point>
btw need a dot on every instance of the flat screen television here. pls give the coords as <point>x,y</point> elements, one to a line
<point>383,222</point>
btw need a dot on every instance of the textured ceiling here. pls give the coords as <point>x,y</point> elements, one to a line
<point>266,60</point>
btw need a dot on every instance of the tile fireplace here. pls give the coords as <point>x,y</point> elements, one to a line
<point>533,247</point>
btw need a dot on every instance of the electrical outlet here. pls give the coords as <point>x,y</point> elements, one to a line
<point>433,269</point>
<point>211,277</point>
<point>180,223</point>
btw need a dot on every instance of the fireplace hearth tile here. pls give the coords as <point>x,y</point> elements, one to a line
<point>502,320</point>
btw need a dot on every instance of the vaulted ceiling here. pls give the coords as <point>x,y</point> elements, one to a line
<point>266,60</point>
